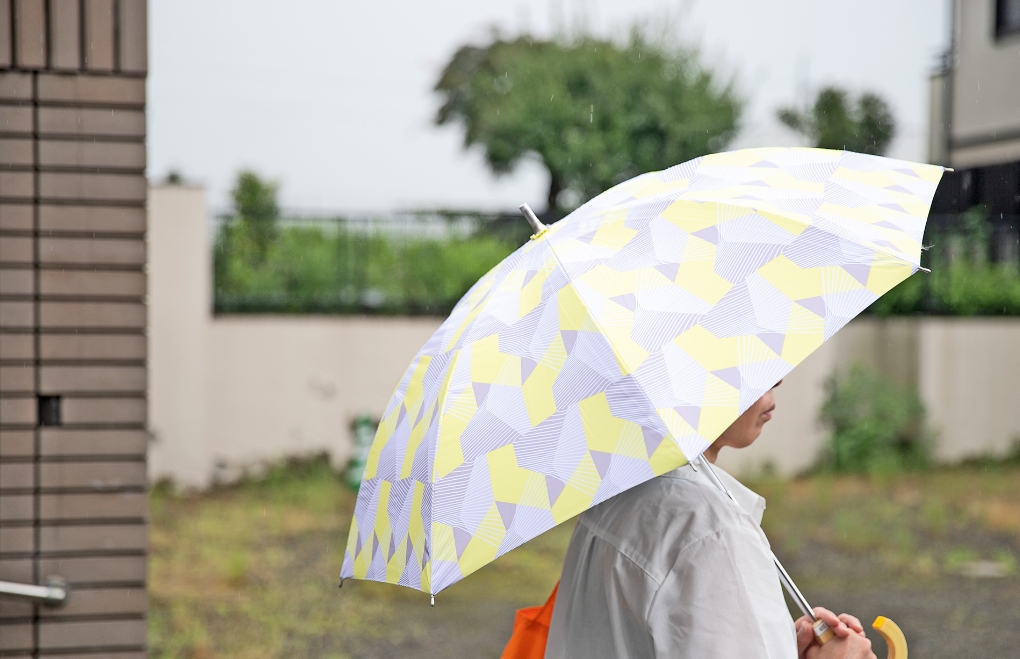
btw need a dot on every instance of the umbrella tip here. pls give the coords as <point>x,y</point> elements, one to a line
<point>433,600</point>
<point>529,215</point>
<point>924,269</point>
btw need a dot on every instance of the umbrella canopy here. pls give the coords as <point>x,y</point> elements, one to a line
<point>621,342</point>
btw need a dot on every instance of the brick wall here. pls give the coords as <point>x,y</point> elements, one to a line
<point>72,323</point>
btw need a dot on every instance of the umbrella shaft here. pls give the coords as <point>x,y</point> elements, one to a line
<point>794,592</point>
<point>784,577</point>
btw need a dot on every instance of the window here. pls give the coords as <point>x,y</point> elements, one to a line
<point>1007,17</point>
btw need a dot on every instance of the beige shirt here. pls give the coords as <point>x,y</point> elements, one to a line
<point>672,568</point>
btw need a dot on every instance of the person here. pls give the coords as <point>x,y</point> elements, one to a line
<point>673,568</point>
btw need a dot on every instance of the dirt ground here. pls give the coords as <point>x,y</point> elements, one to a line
<point>936,552</point>
<point>251,571</point>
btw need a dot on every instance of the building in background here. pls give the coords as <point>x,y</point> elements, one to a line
<point>975,117</point>
<point>73,324</point>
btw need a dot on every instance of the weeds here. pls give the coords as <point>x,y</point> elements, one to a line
<point>251,570</point>
<point>877,427</point>
<point>922,525</point>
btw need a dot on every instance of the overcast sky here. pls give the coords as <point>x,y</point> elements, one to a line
<point>333,98</point>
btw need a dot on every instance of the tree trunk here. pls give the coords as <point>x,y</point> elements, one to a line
<point>555,188</point>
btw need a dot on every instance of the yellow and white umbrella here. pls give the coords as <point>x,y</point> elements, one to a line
<point>620,342</point>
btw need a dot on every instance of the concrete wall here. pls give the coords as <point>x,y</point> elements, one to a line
<point>969,381</point>
<point>292,385</point>
<point>233,393</point>
<point>229,394</point>
<point>180,311</point>
<point>967,371</point>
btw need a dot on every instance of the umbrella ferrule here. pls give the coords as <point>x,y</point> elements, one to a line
<point>536,224</point>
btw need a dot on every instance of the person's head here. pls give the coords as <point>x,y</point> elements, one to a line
<point>747,427</point>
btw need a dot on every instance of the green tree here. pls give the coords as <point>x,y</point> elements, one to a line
<point>257,211</point>
<point>865,126</point>
<point>595,112</point>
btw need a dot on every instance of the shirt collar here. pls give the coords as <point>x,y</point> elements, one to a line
<point>749,501</point>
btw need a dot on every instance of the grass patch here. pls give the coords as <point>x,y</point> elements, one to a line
<point>252,570</point>
<point>916,526</point>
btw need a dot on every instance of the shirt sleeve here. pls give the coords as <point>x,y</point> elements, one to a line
<point>600,605</point>
<point>722,599</point>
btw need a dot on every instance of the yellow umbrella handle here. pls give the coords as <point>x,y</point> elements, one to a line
<point>893,636</point>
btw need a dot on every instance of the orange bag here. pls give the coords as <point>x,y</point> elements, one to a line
<point>531,630</point>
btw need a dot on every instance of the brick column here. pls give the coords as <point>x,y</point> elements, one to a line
<point>72,323</point>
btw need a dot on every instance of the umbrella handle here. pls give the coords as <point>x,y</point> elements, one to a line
<point>823,633</point>
<point>893,636</point>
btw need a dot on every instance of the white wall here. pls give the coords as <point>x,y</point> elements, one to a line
<point>291,385</point>
<point>232,393</point>
<point>791,442</point>
<point>228,394</point>
<point>970,383</point>
<point>179,301</point>
<point>967,371</point>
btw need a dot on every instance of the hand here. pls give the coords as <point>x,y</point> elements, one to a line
<point>851,647</point>
<point>843,626</point>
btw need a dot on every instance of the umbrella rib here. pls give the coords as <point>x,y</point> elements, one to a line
<point>609,340</point>
<point>439,416</point>
<point>786,214</point>
<point>559,264</point>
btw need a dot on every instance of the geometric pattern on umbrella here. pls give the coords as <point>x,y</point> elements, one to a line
<point>621,342</point>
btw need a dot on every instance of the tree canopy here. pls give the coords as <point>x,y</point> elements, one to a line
<point>256,207</point>
<point>834,122</point>
<point>595,112</point>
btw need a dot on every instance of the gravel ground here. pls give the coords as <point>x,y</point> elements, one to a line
<point>959,617</point>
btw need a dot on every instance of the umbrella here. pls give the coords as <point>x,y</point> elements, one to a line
<point>619,343</point>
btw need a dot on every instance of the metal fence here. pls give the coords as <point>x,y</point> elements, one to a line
<point>419,263</point>
<point>974,237</point>
<point>409,263</point>
<point>975,269</point>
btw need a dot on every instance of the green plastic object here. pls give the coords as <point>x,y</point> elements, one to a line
<point>364,428</point>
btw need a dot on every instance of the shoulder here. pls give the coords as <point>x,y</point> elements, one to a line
<point>653,523</point>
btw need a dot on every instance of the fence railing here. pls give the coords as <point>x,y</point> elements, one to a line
<point>405,263</point>
<point>975,269</point>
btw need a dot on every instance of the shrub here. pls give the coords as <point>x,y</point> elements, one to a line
<point>957,289</point>
<point>875,424</point>
<point>324,266</point>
